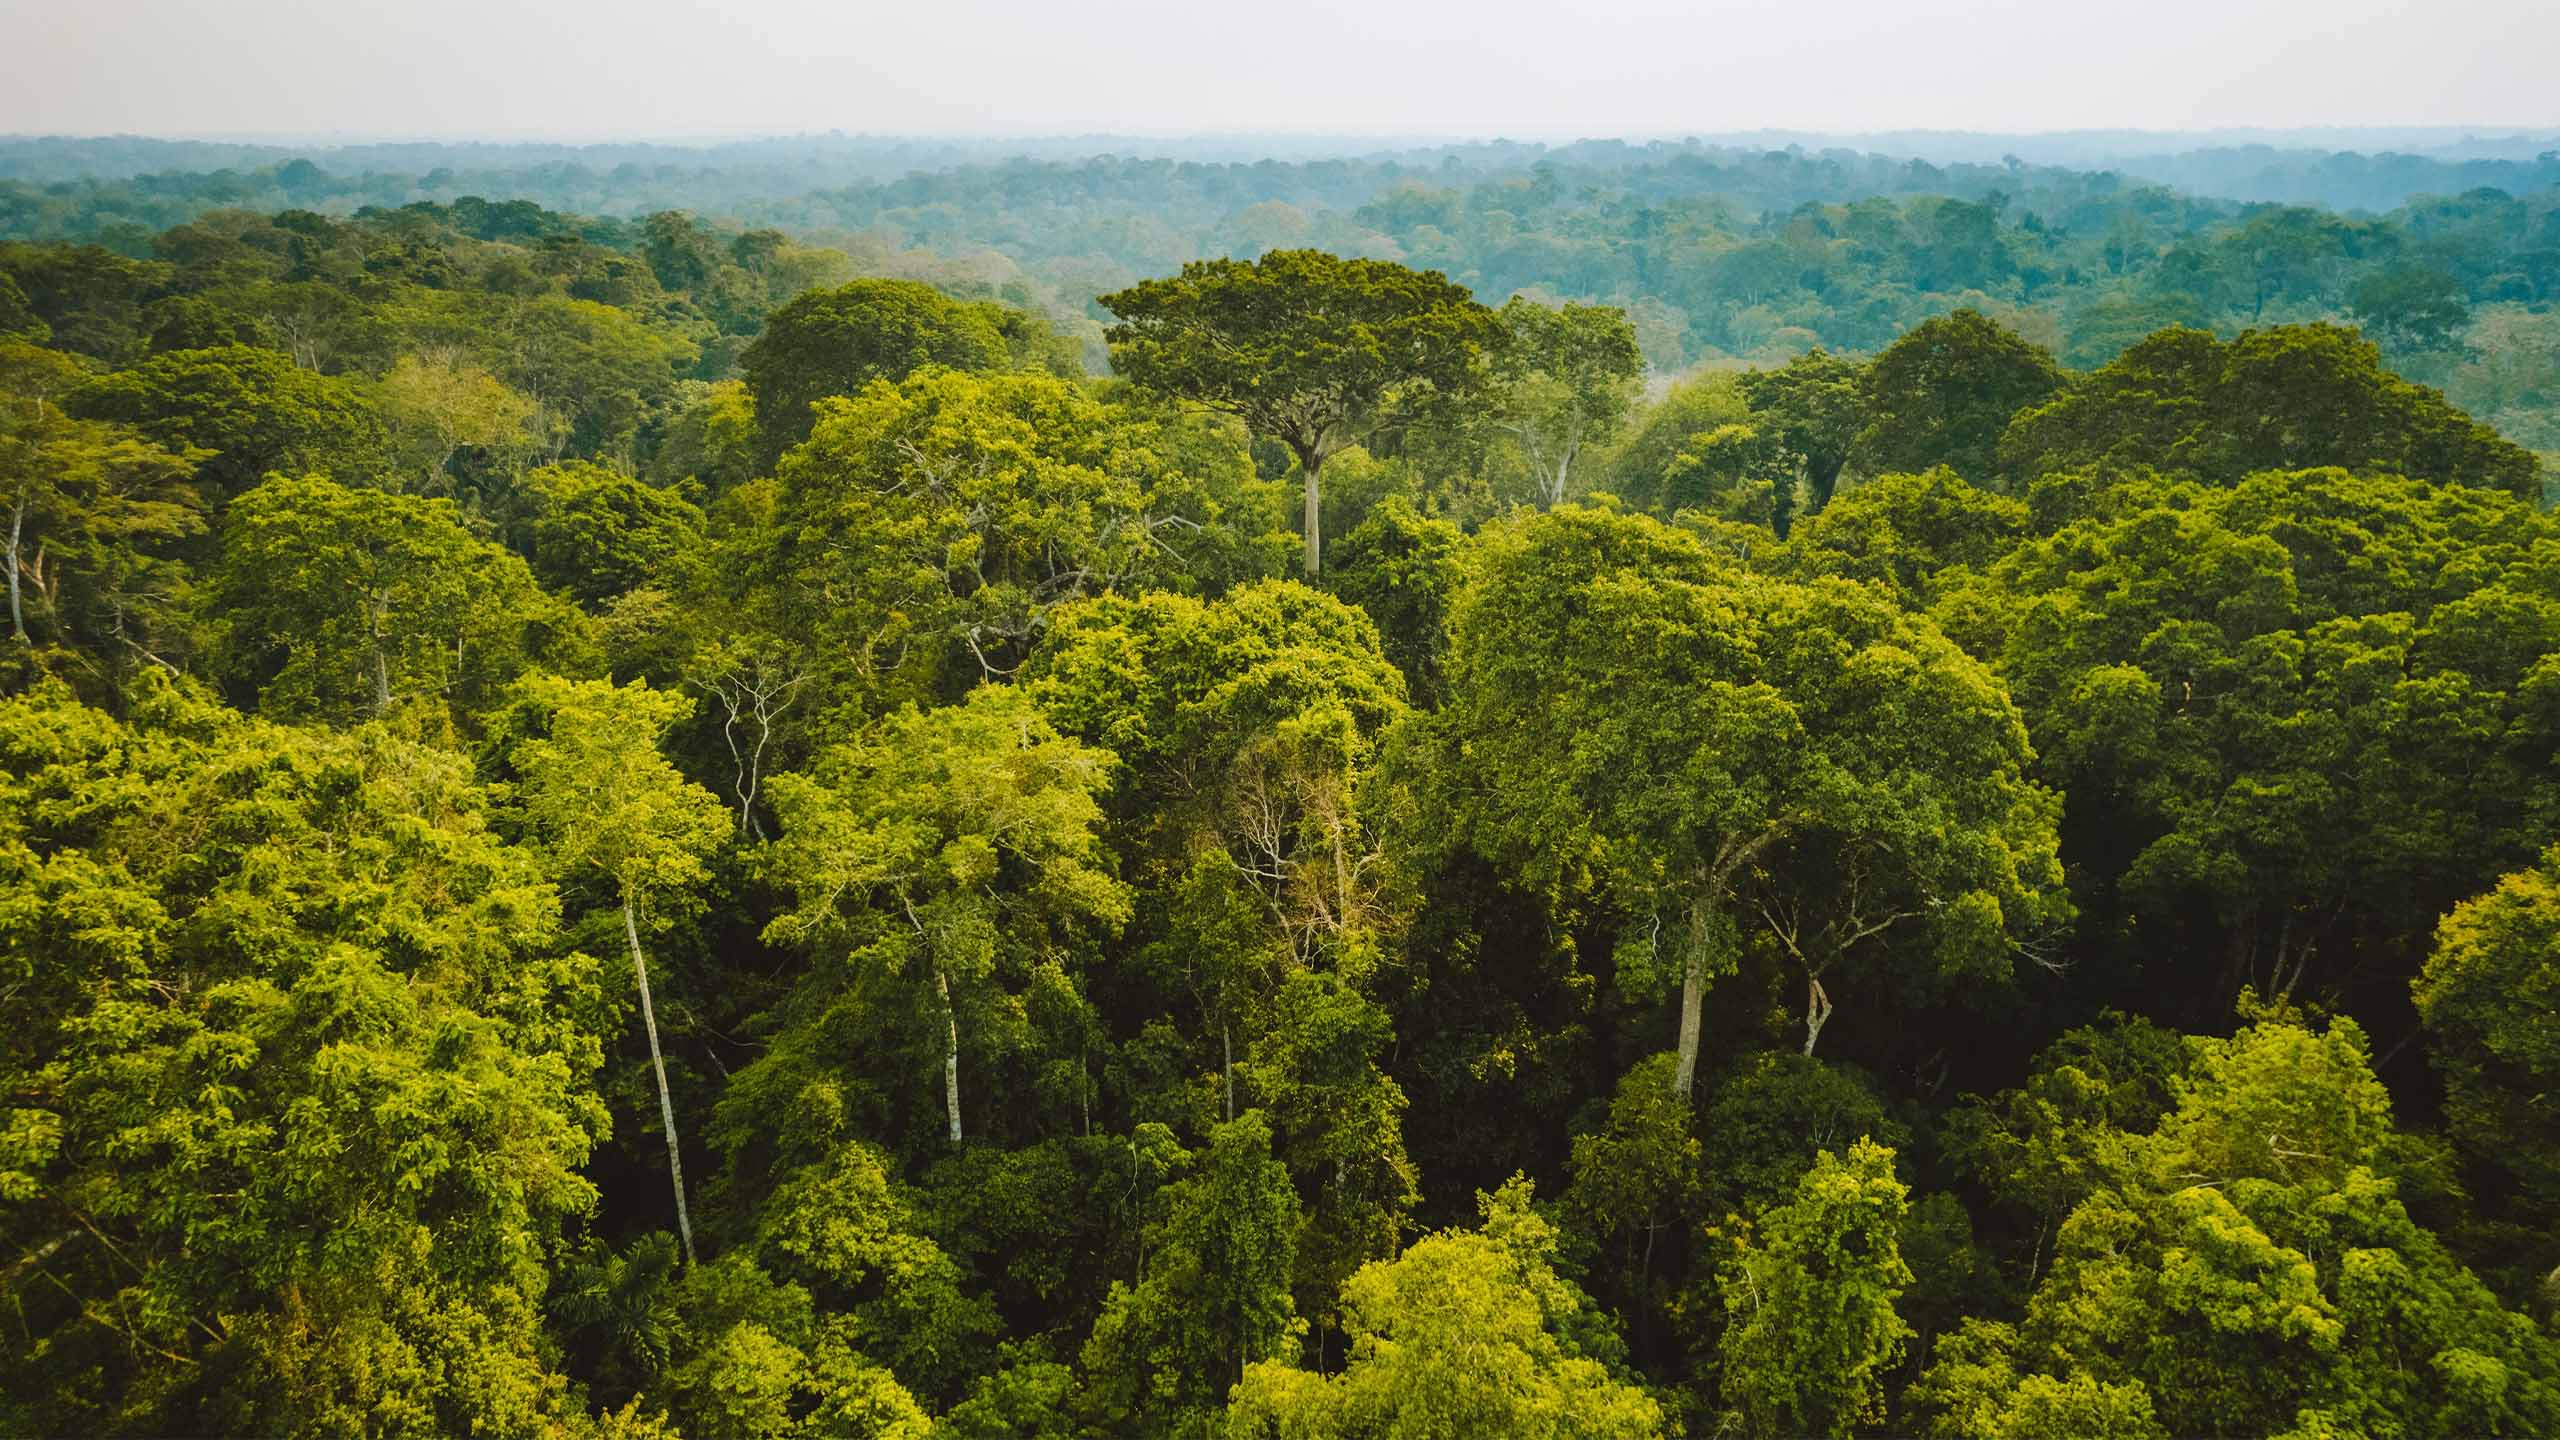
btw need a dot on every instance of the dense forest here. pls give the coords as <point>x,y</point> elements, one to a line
<point>1603,793</point>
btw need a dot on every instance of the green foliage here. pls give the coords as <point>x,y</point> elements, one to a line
<point>1811,1293</point>
<point>1944,392</point>
<point>302,1075</point>
<point>1813,405</point>
<point>953,851</point>
<point>2248,1266</point>
<point>334,603</point>
<point>1306,348</point>
<point>925,533</point>
<point>836,342</point>
<point>1713,748</point>
<point>2274,705</point>
<point>596,533</point>
<point>1125,959</point>
<point>1213,1299</point>
<point>1402,567</point>
<point>1908,533</point>
<point>252,411</point>
<point>1566,379</point>
<point>2487,996</point>
<point>2288,397</point>
<point>1465,1333</point>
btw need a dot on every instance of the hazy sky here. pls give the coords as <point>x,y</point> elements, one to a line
<point>670,68</point>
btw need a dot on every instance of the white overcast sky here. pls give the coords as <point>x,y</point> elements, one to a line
<point>587,69</point>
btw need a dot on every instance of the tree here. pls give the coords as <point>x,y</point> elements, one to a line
<point>1307,349</point>
<point>2287,397</point>
<point>951,847</point>
<point>1815,405</point>
<point>596,533</point>
<point>1468,1332</point>
<point>1908,533</point>
<point>95,515</point>
<point>1214,1297</point>
<point>1714,749</point>
<point>2412,307</point>
<point>1811,1293</point>
<point>1402,567</point>
<point>1249,732</point>
<point>2289,736</point>
<point>300,1081</point>
<point>1636,1181</point>
<point>251,411</point>
<point>337,603</point>
<point>2487,995</point>
<point>2249,1267</point>
<point>1943,393</point>
<point>434,407</point>
<point>605,801</point>
<point>925,534</point>
<point>836,342</point>
<point>1564,380</point>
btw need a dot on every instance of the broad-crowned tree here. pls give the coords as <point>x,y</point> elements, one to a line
<point>1724,754</point>
<point>836,342</point>
<point>1308,349</point>
<point>595,533</point>
<point>2294,720</point>
<point>434,407</point>
<point>1944,392</point>
<point>953,851</point>
<point>925,532</point>
<point>252,411</point>
<point>334,603</point>
<point>99,524</point>
<point>300,1078</point>
<point>2288,397</point>
<point>1815,405</point>
<point>599,792</point>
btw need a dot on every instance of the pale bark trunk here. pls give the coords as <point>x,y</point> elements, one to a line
<point>1315,519</point>
<point>1817,1010</point>
<point>382,679</point>
<point>17,616</point>
<point>658,1062</point>
<point>1693,1009</point>
<point>950,1055</point>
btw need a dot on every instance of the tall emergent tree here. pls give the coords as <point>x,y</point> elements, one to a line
<point>1568,377</point>
<point>599,791</point>
<point>834,342</point>
<point>953,847</point>
<point>1308,349</point>
<point>1719,750</point>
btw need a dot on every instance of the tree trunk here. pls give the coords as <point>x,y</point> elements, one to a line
<point>658,1062</point>
<point>17,529</point>
<point>950,1055</point>
<point>1693,1009</point>
<point>382,684</point>
<point>1315,516</point>
<point>1817,1010</point>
